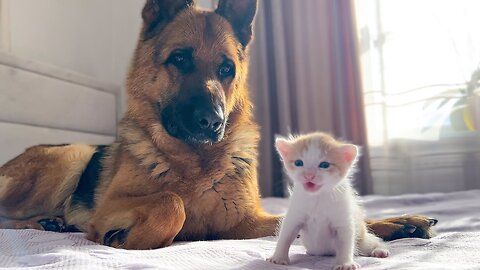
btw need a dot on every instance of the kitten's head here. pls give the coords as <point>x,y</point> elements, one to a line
<point>316,161</point>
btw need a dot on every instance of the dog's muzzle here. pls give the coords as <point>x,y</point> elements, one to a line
<point>195,122</point>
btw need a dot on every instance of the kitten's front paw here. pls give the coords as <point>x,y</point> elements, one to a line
<point>279,260</point>
<point>347,266</point>
<point>380,253</point>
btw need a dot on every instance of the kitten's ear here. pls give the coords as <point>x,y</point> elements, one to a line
<point>349,152</point>
<point>283,146</point>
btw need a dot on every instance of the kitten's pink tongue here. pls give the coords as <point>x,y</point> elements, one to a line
<point>310,186</point>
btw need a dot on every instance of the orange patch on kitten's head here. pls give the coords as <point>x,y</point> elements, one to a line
<point>341,154</point>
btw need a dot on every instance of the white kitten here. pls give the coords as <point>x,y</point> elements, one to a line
<point>324,207</point>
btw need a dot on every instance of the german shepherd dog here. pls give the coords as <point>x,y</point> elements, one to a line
<point>184,164</point>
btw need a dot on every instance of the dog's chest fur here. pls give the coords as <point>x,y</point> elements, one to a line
<point>216,182</point>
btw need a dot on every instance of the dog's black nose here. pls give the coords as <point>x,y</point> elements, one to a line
<point>209,119</point>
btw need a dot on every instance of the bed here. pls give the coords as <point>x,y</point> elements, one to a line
<point>456,245</point>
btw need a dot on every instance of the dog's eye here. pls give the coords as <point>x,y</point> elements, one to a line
<point>182,60</point>
<point>227,69</point>
<point>178,58</point>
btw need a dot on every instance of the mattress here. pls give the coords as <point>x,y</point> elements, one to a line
<point>456,245</point>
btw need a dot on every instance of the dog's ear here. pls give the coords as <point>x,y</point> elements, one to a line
<point>240,14</point>
<point>157,13</point>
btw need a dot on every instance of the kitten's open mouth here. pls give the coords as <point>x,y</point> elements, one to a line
<point>311,187</point>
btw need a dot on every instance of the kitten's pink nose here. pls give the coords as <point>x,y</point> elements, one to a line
<point>309,176</point>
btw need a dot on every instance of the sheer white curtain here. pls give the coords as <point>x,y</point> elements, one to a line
<point>421,69</point>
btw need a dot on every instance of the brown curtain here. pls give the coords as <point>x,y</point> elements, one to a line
<point>304,78</point>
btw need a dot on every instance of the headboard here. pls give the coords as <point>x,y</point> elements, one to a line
<point>44,104</point>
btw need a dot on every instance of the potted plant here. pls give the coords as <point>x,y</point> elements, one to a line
<point>463,103</point>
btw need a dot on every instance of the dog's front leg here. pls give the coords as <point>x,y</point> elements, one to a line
<point>144,222</point>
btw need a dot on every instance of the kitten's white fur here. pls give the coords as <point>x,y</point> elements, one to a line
<point>329,220</point>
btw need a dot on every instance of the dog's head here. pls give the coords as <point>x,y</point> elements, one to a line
<point>190,66</point>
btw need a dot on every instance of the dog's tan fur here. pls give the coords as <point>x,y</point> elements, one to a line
<point>154,188</point>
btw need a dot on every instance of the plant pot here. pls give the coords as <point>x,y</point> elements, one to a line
<point>466,117</point>
<point>472,113</point>
<point>457,119</point>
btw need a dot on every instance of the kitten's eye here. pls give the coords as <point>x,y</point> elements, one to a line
<point>324,165</point>
<point>298,163</point>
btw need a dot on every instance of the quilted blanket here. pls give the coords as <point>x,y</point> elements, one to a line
<point>456,245</point>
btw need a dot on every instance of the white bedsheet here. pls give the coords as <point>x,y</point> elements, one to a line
<point>456,246</point>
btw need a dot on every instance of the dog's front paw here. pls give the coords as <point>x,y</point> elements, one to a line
<point>380,253</point>
<point>42,223</point>
<point>115,238</point>
<point>52,224</point>
<point>347,266</point>
<point>279,260</point>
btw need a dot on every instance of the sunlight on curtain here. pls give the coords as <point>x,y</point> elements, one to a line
<point>420,70</point>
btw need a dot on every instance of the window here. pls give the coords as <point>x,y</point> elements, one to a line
<point>416,57</point>
<point>420,64</point>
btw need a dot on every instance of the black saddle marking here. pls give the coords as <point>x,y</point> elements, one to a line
<point>85,191</point>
